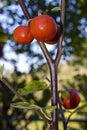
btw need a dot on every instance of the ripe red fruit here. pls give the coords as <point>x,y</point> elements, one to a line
<point>22,35</point>
<point>70,99</point>
<point>43,28</point>
<point>57,36</point>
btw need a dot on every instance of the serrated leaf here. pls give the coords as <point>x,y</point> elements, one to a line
<point>1,71</point>
<point>37,109</point>
<point>34,85</point>
<point>56,8</point>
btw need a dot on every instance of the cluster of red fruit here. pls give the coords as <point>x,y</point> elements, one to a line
<point>42,27</point>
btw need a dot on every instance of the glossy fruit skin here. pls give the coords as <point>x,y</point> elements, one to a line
<point>72,100</point>
<point>43,28</point>
<point>22,35</point>
<point>57,36</point>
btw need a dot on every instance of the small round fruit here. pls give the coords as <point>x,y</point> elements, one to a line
<point>70,99</point>
<point>57,36</point>
<point>43,28</point>
<point>22,35</point>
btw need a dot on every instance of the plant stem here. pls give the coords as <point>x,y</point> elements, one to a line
<point>24,8</point>
<point>59,54</point>
<point>62,113</point>
<point>59,49</point>
<point>54,94</point>
<point>12,89</point>
<point>45,52</point>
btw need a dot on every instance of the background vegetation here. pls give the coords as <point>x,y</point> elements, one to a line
<point>72,69</point>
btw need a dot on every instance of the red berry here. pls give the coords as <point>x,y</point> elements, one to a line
<point>43,28</point>
<point>57,36</point>
<point>71,100</point>
<point>22,35</point>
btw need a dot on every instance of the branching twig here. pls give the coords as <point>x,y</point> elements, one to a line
<point>60,50</point>
<point>79,108</point>
<point>25,11</point>
<point>62,15</point>
<point>12,89</point>
<point>59,54</point>
<point>45,52</point>
<point>63,117</point>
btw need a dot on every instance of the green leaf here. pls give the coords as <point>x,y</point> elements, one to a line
<point>25,105</point>
<point>49,109</point>
<point>56,8</point>
<point>4,36</point>
<point>33,86</point>
<point>1,71</point>
<point>36,85</point>
<point>65,94</point>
